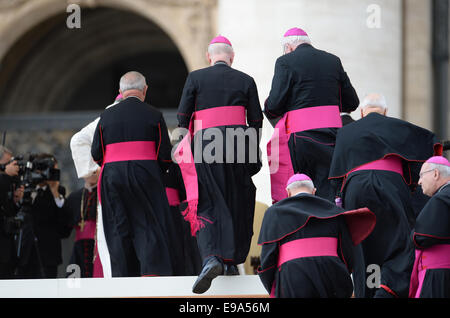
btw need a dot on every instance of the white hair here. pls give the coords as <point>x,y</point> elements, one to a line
<point>301,184</point>
<point>295,40</point>
<point>374,100</point>
<point>3,151</point>
<point>132,80</point>
<point>444,171</point>
<point>220,48</point>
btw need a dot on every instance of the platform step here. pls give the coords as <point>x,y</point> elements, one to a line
<point>174,286</point>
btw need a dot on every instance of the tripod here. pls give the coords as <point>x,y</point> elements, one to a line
<point>24,220</point>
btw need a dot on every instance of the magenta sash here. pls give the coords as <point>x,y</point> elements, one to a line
<point>88,232</point>
<point>434,257</point>
<point>278,153</point>
<point>173,196</point>
<point>202,119</point>
<point>307,247</point>
<point>126,151</point>
<point>130,150</point>
<point>390,163</point>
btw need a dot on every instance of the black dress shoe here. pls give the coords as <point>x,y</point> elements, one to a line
<point>231,270</point>
<point>211,270</point>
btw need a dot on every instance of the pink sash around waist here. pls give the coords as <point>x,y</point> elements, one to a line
<point>130,150</point>
<point>313,118</point>
<point>219,116</point>
<point>434,257</point>
<point>278,153</point>
<point>307,247</point>
<point>390,163</point>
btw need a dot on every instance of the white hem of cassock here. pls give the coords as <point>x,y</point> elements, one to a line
<point>102,247</point>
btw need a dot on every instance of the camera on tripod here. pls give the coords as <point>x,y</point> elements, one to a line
<point>33,170</point>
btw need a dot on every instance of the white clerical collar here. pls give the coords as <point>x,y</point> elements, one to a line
<point>133,96</point>
<point>90,187</point>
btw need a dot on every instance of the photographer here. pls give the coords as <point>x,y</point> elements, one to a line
<point>9,197</point>
<point>46,223</point>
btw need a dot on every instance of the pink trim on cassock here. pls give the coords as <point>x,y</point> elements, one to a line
<point>307,247</point>
<point>88,232</point>
<point>173,196</point>
<point>278,153</point>
<point>434,257</point>
<point>203,119</point>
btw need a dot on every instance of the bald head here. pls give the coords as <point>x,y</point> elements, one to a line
<point>133,84</point>
<point>373,103</point>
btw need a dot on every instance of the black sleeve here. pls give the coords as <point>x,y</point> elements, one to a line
<point>187,103</point>
<point>349,98</point>
<point>7,206</point>
<point>254,112</point>
<point>63,216</point>
<point>164,146</point>
<point>275,104</point>
<point>97,144</point>
<point>268,267</point>
<point>345,245</point>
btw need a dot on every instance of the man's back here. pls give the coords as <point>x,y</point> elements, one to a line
<point>308,77</point>
<point>132,120</point>
<point>375,136</point>
<point>219,85</point>
<point>131,143</point>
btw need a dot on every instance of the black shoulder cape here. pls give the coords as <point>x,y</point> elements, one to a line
<point>292,214</point>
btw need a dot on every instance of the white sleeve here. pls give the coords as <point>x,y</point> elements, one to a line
<point>80,145</point>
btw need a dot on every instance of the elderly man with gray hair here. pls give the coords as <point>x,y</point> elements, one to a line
<point>220,192</point>
<point>307,244</point>
<point>376,165</point>
<point>430,276</point>
<point>132,146</point>
<point>309,91</point>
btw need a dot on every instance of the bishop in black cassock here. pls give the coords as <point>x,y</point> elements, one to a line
<point>375,164</point>
<point>309,91</point>
<point>430,276</point>
<point>220,192</point>
<point>131,144</point>
<point>307,244</point>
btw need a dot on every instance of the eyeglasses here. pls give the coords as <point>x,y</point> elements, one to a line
<point>422,173</point>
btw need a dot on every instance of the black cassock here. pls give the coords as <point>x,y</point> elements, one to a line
<point>83,217</point>
<point>386,193</point>
<point>226,193</point>
<point>308,78</point>
<point>431,237</point>
<point>310,272</point>
<point>136,217</point>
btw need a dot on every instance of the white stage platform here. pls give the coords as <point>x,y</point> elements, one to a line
<point>181,286</point>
